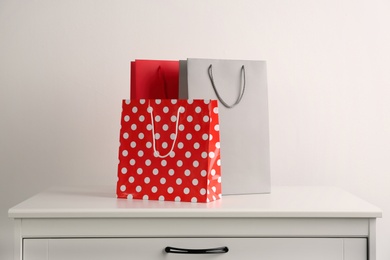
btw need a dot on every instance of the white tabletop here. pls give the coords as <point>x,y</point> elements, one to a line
<point>283,202</point>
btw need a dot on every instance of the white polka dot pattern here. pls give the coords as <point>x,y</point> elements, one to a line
<point>191,172</point>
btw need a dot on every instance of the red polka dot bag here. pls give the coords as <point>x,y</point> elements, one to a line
<point>169,150</point>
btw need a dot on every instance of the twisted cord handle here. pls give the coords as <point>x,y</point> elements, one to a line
<point>242,87</point>
<point>157,153</point>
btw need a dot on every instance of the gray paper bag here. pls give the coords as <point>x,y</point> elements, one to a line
<point>241,88</point>
<point>183,83</point>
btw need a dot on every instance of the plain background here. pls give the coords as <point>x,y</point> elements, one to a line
<point>64,69</point>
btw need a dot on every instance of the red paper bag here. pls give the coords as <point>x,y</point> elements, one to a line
<point>169,150</point>
<point>154,79</point>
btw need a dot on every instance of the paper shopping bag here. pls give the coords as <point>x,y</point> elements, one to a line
<point>154,79</point>
<point>169,150</point>
<point>241,88</point>
<point>183,80</point>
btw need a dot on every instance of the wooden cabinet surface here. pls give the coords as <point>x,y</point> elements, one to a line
<point>290,223</point>
<point>196,248</point>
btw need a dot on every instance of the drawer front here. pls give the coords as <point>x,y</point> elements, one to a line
<point>155,248</point>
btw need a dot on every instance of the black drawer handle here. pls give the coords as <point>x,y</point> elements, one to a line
<point>216,250</point>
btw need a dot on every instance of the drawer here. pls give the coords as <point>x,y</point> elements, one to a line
<point>217,248</point>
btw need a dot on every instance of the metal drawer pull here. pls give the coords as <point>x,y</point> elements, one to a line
<point>216,250</point>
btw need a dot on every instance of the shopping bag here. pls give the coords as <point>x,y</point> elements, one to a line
<point>169,150</point>
<point>183,81</point>
<point>154,79</point>
<point>241,88</point>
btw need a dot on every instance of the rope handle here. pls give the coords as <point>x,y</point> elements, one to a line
<point>161,74</point>
<point>242,87</point>
<point>157,153</point>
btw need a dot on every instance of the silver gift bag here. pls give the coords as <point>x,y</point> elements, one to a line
<point>241,88</point>
<point>183,80</point>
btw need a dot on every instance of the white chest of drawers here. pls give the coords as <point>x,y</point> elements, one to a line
<point>290,223</point>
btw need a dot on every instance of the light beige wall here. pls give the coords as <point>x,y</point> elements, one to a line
<point>64,68</point>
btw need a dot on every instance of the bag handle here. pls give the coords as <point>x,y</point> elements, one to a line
<point>157,153</point>
<point>242,87</point>
<point>161,74</point>
<point>216,250</point>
